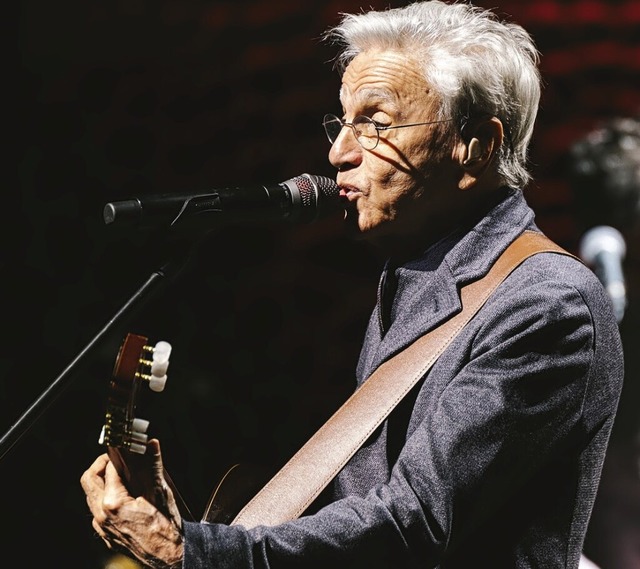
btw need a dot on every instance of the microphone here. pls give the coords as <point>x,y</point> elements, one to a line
<point>603,248</point>
<point>302,199</point>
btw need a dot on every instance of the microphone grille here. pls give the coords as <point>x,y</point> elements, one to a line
<point>318,194</point>
<point>307,190</point>
<point>328,188</point>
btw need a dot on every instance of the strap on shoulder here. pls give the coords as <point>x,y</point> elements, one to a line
<point>292,490</point>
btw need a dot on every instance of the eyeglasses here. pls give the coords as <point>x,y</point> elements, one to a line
<point>365,129</point>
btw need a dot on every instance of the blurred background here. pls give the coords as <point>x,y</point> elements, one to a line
<point>130,98</point>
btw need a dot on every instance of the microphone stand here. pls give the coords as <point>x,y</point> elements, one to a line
<point>170,269</point>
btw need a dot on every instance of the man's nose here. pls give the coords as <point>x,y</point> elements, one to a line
<point>345,149</point>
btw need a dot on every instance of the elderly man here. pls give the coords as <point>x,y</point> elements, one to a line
<point>493,459</point>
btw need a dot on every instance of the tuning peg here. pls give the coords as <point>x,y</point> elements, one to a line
<point>139,425</point>
<point>138,448</point>
<point>159,365</point>
<point>138,437</point>
<point>160,360</point>
<point>162,351</point>
<point>157,383</point>
<point>102,435</point>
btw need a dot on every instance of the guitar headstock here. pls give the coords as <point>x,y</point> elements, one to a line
<point>137,365</point>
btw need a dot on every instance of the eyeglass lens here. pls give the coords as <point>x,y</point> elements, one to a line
<point>363,129</point>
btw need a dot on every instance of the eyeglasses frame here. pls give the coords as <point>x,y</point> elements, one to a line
<point>329,117</point>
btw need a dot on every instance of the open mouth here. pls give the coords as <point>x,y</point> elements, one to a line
<point>351,193</point>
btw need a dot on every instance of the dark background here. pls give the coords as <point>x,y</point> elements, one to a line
<point>129,98</point>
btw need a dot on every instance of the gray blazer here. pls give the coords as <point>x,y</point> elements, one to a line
<point>494,459</point>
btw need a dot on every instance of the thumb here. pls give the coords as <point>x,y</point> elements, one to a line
<point>157,467</point>
<point>162,496</point>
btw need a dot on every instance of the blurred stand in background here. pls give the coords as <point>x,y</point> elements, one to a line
<point>604,171</point>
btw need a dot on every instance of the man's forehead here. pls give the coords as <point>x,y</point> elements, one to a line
<point>383,77</point>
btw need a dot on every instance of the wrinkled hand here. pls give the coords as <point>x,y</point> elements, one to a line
<point>150,527</point>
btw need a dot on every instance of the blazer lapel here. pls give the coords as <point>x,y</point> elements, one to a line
<point>427,290</point>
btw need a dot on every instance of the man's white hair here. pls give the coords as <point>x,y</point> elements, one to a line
<point>475,62</point>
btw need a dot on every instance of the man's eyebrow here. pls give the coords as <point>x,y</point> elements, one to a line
<point>372,96</point>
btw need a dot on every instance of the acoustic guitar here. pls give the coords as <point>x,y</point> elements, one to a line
<point>140,365</point>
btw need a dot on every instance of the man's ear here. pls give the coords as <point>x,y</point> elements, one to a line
<point>474,152</point>
<point>484,138</point>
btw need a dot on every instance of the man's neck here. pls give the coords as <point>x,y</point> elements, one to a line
<point>402,248</point>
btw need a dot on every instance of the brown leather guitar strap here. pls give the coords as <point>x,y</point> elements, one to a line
<point>296,485</point>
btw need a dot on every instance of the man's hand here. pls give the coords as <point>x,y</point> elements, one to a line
<point>149,527</point>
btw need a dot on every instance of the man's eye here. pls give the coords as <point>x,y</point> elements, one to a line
<point>381,119</point>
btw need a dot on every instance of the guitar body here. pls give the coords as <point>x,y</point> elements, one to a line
<point>240,483</point>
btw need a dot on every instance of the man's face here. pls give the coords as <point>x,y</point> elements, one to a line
<point>402,190</point>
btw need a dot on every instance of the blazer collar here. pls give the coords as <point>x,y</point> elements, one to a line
<point>428,287</point>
